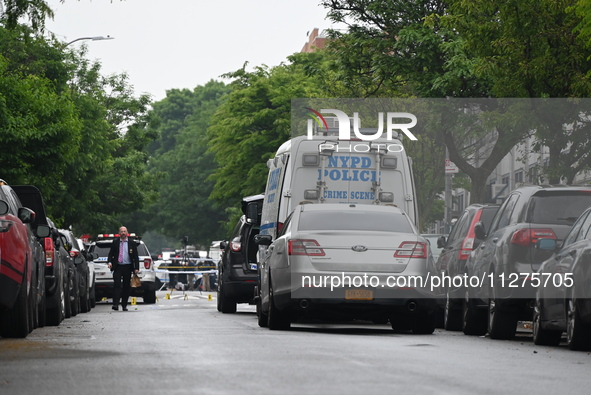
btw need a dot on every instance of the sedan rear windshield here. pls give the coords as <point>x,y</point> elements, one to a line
<point>355,220</point>
<point>558,209</point>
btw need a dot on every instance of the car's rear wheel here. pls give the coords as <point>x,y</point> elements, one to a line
<point>474,320</point>
<point>502,325</point>
<point>93,294</point>
<point>578,335</point>
<point>15,322</point>
<point>276,320</point>
<point>226,305</point>
<point>149,297</point>
<point>56,315</point>
<point>452,314</point>
<point>262,318</point>
<point>542,336</point>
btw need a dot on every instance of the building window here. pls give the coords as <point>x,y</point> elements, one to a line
<point>519,176</point>
<point>505,179</point>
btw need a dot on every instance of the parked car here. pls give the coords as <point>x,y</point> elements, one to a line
<point>563,298</point>
<point>22,267</point>
<point>56,262</point>
<point>56,276</point>
<point>507,257</point>
<point>374,250</point>
<point>104,277</point>
<point>237,270</point>
<point>89,258</point>
<point>81,270</point>
<point>456,249</point>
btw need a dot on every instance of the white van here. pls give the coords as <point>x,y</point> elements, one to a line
<point>324,169</point>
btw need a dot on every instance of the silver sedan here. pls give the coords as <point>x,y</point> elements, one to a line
<point>343,262</point>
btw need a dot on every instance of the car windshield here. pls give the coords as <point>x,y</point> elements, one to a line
<point>354,220</point>
<point>558,208</point>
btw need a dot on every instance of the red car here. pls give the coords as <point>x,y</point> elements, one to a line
<point>21,266</point>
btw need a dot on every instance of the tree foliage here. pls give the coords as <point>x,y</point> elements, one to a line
<point>252,123</point>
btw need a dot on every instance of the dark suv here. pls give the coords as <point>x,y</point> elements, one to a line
<point>238,269</point>
<point>507,256</point>
<point>452,259</point>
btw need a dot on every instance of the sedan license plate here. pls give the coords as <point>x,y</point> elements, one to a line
<point>359,294</point>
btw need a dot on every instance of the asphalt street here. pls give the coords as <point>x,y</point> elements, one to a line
<point>184,345</point>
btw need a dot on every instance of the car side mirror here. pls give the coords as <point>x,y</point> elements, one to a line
<point>3,207</point>
<point>264,240</point>
<point>78,260</point>
<point>26,215</point>
<point>479,230</point>
<point>223,245</point>
<point>93,255</point>
<point>441,242</point>
<point>43,231</point>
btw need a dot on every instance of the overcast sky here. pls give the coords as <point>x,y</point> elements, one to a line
<point>165,44</point>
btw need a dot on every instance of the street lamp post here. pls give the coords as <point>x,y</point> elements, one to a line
<point>95,38</point>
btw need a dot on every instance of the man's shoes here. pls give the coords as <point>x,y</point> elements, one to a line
<point>115,307</point>
<point>124,308</point>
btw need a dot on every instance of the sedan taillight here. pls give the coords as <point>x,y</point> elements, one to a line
<point>411,249</point>
<point>147,263</point>
<point>304,247</point>
<point>528,237</point>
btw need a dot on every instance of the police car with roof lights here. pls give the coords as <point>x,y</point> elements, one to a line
<point>104,277</point>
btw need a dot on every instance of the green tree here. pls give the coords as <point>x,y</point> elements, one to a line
<point>182,165</point>
<point>252,123</point>
<point>38,120</point>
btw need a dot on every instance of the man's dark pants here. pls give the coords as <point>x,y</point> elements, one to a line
<point>122,284</point>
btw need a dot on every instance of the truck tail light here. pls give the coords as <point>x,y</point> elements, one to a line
<point>411,249</point>
<point>304,247</point>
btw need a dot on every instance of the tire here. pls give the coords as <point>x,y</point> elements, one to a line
<point>75,298</point>
<point>93,295</point>
<point>33,314</point>
<point>502,325</point>
<point>149,297</point>
<point>542,336</point>
<point>15,322</point>
<point>42,306</point>
<point>226,305</point>
<point>452,316</point>
<point>578,335</point>
<point>57,314</point>
<point>474,320</point>
<point>423,324</point>
<point>276,320</point>
<point>262,318</point>
<point>67,300</point>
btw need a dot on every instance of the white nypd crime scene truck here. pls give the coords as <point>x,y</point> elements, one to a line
<point>325,169</point>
